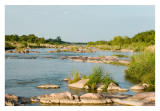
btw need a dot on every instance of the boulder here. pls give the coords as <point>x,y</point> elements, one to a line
<point>139,86</point>
<point>9,51</point>
<point>114,87</point>
<point>80,84</point>
<point>11,97</point>
<point>128,102</point>
<point>48,86</point>
<point>66,79</point>
<point>56,98</point>
<point>93,98</point>
<point>124,61</point>
<point>63,57</point>
<point>148,96</point>
<point>34,99</point>
<point>51,51</point>
<point>100,87</point>
<point>13,100</point>
<point>140,99</point>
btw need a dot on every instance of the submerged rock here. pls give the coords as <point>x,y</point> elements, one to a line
<point>48,86</point>
<point>63,57</point>
<point>51,51</point>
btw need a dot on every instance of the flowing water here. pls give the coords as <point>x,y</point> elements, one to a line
<point>24,72</point>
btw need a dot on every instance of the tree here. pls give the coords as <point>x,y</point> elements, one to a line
<point>58,39</point>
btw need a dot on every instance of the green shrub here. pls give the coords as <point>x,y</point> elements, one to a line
<point>95,77</point>
<point>142,68</point>
<point>8,46</point>
<point>75,76</point>
<point>107,80</point>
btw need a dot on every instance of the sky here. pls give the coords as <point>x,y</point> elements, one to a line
<point>78,23</point>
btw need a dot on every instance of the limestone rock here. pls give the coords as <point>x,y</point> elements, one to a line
<point>80,84</point>
<point>114,87</point>
<point>139,86</point>
<point>48,86</point>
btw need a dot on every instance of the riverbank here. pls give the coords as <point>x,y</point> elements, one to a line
<point>66,98</point>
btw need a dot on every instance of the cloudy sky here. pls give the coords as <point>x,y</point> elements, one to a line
<point>79,23</point>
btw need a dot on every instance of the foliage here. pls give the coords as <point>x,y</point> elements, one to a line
<point>8,46</point>
<point>118,63</point>
<point>107,80</point>
<point>97,76</point>
<point>137,43</point>
<point>142,68</point>
<point>120,55</point>
<point>75,76</point>
<point>31,38</point>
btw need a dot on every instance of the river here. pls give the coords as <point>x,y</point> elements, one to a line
<point>24,72</point>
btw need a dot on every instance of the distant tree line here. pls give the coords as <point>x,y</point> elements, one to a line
<point>147,37</point>
<point>31,38</point>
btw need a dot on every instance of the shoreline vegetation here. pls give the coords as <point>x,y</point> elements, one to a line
<point>136,43</point>
<point>140,69</point>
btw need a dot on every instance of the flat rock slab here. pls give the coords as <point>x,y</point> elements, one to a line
<point>80,84</point>
<point>48,86</point>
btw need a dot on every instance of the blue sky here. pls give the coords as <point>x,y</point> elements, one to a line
<point>79,23</point>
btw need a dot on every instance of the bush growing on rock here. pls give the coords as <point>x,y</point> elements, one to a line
<point>95,77</point>
<point>98,77</point>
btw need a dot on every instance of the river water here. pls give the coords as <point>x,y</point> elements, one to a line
<point>24,72</point>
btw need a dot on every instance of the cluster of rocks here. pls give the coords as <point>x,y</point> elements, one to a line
<point>140,99</point>
<point>103,59</point>
<point>23,51</point>
<point>13,100</point>
<point>81,84</point>
<point>73,49</point>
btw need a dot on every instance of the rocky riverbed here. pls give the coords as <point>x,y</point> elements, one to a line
<point>100,59</point>
<point>66,98</point>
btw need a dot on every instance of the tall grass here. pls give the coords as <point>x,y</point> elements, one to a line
<point>75,76</point>
<point>97,76</point>
<point>107,80</point>
<point>142,68</point>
